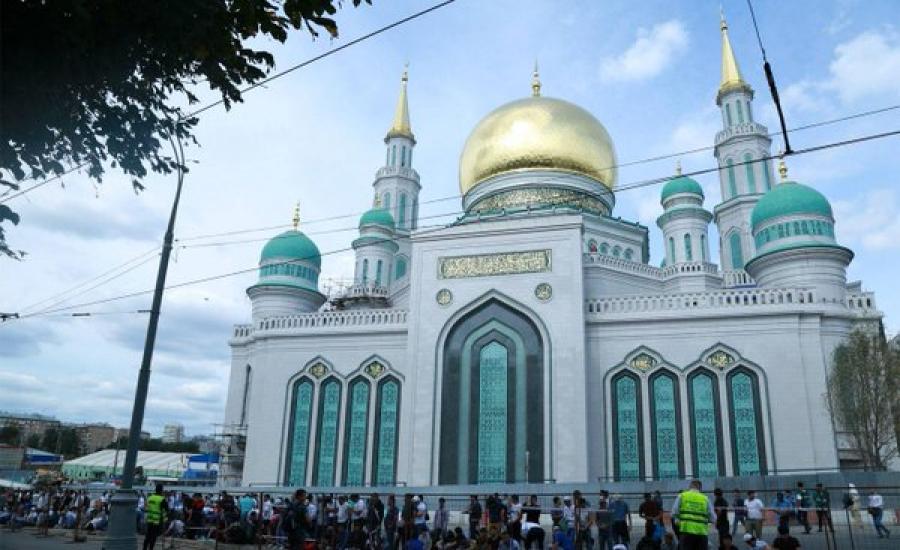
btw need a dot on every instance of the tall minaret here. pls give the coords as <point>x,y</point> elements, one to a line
<point>740,142</point>
<point>397,183</point>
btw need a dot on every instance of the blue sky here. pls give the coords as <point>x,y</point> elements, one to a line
<point>649,71</point>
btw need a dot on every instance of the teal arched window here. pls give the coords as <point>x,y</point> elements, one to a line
<point>592,246</point>
<point>387,156</point>
<point>767,177</point>
<point>356,432</point>
<point>665,426</point>
<point>740,111</point>
<point>378,268</point>
<point>403,156</point>
<point>703,247</point>
<point>365,271</point>
<point>688,249</point>
<point>400,268</point>
<point>732,183</point>
<point>401,218</point>
<point>604,248</point>
<point>728,114</point>
<point>386,202</point>
<point>737,253</point>
<point>492,420</point>
<point>387,417</point>
<point>327,432</point>
<point>393,155</point>
<point>747,442</point>
<point>749,113</point>
<point>298,440</point>
<point>672,259</point>
<point>751,174</point>
<point>628,448</point>
<point>706,430</point>
<point>629,254</point>
<point>617,251</point>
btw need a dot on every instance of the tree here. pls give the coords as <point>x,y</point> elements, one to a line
<point>33,441</point>
<point>89,82</point>
<point>863,389</point>
<point>9,435</point>
<point>157,444</point>
<point>64,441</point>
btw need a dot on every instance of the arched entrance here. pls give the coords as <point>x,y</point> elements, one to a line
<point>492,399</point>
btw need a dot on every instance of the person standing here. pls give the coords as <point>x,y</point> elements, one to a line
<point>475,512</point>
<point>740,512</point>
<point>802,503</point>
<point>694,512</point>
<point>822,501</point>
<point>755,509</point>
<point>621,520</point>
<point>295,520</point>
<point>720,504</point>
<point>391,515</point>
<point>650,511</point>
<point>783,508</point>
<point>853,506</point>
<point>876,510</point>
<point>155,510</point>
<point>441,517</point>
<point>603,519</point>
<point>421,521</point>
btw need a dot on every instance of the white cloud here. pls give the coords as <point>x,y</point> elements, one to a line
<point>867,65</point>
<point>652,52</point>
<point>872,220</point>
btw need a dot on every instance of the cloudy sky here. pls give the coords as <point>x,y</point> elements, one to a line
<point>649,71</point>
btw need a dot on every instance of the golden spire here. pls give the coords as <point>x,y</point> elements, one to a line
<point>401,127</point>
<point>296,218</point>
<point>678,167</point>
<point>782,169</point>
<point>535,81</point>
<point>731,73</point>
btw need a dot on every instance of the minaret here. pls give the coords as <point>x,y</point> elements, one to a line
<point>738,147</point>
<point>397,184</point>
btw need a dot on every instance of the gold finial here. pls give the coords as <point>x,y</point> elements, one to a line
<point>731,73</point>
<point>296,218</point>
<point>536,81</point>
<point>401,126</point>
<point>377,201</point>
<point>782,169</point>
<point>678,167</point>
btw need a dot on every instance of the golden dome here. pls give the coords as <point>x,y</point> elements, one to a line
<point>537,133</point>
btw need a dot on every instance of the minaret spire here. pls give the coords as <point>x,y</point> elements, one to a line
<point>400,126</point>
<point>731,73</point>
<point>536,81</point>
<point>296,218</point>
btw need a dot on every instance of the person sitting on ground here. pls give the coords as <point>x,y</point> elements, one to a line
<point>753,543</point>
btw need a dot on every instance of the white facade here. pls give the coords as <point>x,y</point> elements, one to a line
<point>610,367</point>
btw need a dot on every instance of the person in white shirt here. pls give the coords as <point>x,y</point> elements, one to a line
<point>755,509</point>
<point>751,542</point>
<point>876,510</point>
<point>421,521</point>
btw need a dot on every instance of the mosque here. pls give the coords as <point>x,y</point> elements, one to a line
<point>531,340</point>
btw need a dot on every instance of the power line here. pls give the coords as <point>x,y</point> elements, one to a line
<point>634,185</point>
<point>258,84</point>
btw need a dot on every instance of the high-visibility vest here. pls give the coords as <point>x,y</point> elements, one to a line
<point>693,513</point>
<point>153,509</point>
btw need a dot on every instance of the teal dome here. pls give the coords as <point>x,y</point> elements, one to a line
<point>292,245</point>
<point>790,198</point>
<point>681,184</point>
<point>377,216</point>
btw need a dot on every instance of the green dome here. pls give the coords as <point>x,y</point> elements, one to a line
<point>787,199</point>
<point>377,216</point>
<point>292,245</point>
<point>681,184</point>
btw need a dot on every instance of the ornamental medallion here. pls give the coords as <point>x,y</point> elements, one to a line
<point>643,362</point>
<point>318,370</point>
<point>504,263</point>
<point>374,369</point>
<point>543,292</point>
<point>444,297</point>
<point>720,359</point>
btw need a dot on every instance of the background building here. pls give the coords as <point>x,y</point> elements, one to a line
<point>173,433</point>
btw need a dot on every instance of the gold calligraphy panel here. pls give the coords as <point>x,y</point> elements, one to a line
<point>485,265</point>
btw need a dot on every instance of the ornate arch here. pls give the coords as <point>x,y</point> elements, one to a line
<point>387,430</point>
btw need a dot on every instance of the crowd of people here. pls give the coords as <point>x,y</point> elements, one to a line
<point>408,522</point>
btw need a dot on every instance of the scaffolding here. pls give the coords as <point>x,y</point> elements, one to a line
<point>232,443</point>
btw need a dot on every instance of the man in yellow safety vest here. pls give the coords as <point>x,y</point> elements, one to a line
<point>155,511</point>
<point>694,513</point>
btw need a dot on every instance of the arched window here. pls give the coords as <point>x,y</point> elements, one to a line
<point>703,247</point>
<point>751,174</point>
<point>604,248</point>
<point>401,218</point>
<point>403,156</point>
<point>688,249</point>
<point>728,113</point>
<point>409,157</point>
<point>378,267</point>
<point>732,183</point>
<point>706,430</point>
<point>767,177</point>
<point>298,440</point>
<point>387,156</point>
<point>629,254</point>
<point>327,430</point>
<point>244,401</point>
<point>356,432</point>
<point>393,155</point>
<point>672,259</point>
<point>617,251</point>
<point>740,111</point>
<point>749,113</point>
<point>665,426</point>
<point>628,448</point>
<point>592,246</point>
<point>747,447</point>
<point>365,271</point>
<point>400,268</point>
<point>387,417</point>
<point>414,213</point>
<point>386,201</point>
<point>737,254</point>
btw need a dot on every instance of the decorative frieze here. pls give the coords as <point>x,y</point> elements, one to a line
<point>485,265</point>
<point>540,197</point>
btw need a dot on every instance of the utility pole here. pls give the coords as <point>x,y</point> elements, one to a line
<point>121,534</point>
